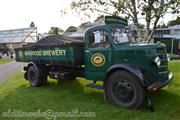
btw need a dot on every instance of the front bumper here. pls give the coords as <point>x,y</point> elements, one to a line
<point>157,85</point>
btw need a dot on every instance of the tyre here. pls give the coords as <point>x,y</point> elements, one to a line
<point>42,73</point>
<point>37,75</point>
<point>124,90</point>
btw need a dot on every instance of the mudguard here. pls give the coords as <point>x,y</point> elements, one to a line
<point>130,68</point>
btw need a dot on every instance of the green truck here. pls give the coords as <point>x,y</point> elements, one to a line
<point>105,53</point>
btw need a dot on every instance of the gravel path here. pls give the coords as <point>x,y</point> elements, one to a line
<point>8,69</point>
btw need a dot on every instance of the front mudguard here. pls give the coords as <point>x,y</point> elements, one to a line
<point>128,67</point>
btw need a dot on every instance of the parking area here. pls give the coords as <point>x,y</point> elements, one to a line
<point>7,69</point>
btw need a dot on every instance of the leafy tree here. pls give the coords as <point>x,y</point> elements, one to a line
<point>56,31</point>
<point>32,24</point>
<point>71,29</point>
<point>100,19</point>
<point>162,26</point>
<point>134,10</point>
<point>174,22</point>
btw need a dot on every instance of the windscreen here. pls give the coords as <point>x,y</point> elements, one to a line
<point>120,35</point>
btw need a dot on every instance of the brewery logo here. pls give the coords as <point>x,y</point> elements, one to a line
<point>98,59</point>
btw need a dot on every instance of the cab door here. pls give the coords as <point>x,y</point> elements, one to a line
<point>97,54</point>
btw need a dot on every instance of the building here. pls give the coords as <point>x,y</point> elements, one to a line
<point>171,37</point>
<point>79,34</point>
<point>15,38</point>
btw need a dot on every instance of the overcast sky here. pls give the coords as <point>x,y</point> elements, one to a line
<point>44,13</point>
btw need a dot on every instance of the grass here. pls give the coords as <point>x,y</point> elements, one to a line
<point>16,94</point>
<point>5,60</point>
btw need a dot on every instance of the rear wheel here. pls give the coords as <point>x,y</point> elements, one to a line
<point>124,90</point>
<point>37,76</point>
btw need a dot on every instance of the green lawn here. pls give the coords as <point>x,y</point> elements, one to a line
<point>16,94</point>
<point>5,60</point>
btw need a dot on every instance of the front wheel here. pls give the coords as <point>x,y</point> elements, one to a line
<point>124,90</point>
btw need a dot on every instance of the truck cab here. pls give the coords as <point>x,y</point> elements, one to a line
<point>101,45</point>
<point>109,47</point>
<point>110,56</point>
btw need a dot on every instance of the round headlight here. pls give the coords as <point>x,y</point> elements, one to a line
<point>168,57</point>
<point>157,60</point>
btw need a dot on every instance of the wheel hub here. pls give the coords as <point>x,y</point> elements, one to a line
<point>32,76</point>
<point>123,91</point>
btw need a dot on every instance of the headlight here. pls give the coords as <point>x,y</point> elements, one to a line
<point>168,57</point>
<point>157,60</point>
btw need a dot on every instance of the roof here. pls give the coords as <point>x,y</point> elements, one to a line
<point>18,35</point>
<point>175,27</point>
<point>74,35</point>
<point>177,38</point>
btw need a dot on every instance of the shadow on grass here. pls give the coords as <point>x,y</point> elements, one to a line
<point>165,99</point>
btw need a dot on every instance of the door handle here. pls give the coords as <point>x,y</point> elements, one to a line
<point>87,51</point>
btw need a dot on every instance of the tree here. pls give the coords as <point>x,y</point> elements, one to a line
<point>174,22</point>
<point>71,29</point>
<point>134,10</point>
<point>100,19</point>
<point>32,24</point>
<point>56,31</point>
<point>162,26</point>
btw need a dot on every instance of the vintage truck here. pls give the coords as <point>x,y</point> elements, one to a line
<point>105,53</point>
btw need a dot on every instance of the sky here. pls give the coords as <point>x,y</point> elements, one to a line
<point>44,13</point>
